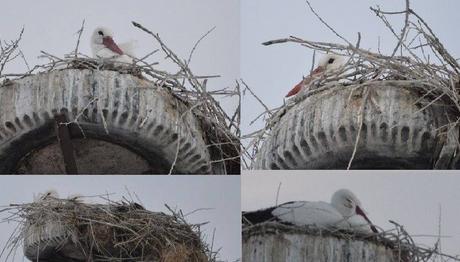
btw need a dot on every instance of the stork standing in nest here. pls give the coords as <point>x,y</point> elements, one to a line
<point>327,64</point>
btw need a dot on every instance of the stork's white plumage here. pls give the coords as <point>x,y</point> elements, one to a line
<point>358,223</point>
<point>103,46</point>
<point>344,212</point>
<point>303,213</point>
<point>326,64</point>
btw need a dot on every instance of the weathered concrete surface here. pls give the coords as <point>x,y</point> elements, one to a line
<point>140,116</point>
<point>320,132</point>
<point>288,247</point>
<point>92,157</point>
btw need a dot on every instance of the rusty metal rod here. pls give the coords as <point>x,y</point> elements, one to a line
<point>64,139</point>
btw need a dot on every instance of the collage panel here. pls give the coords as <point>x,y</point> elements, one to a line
<point>111,88</point>
<point>342,87</point>
<point>350,85</point>
<point>329,216</point>
<point>120,218</point>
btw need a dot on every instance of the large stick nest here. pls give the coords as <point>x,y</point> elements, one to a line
<point>114,231</point>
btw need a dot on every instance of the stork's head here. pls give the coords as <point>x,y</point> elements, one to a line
<point>345,202</point>
<point>100,33</point>
<point>349,205</point>
<point>103,38</point>
<point>329,63</point>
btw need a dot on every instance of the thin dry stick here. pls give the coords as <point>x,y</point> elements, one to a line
<point>277,193</point>
<point>79,36</point>
<point>255,96</point>
<point>8,51</point>
<point>361,122</point>
<point>197,43</point>
<point>326,24</point>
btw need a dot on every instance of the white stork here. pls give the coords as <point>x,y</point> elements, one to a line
<point>344,212</point>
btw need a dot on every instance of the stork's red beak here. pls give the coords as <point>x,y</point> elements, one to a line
<point>360,212</point>
<point>317,70</point>
<point>296,89</point>
<point>110,44</point>
<point>305,81</point>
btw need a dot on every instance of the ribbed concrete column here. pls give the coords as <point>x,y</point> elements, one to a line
<point>277,245</point>
<point>320,132</point>
<point>140,117</point>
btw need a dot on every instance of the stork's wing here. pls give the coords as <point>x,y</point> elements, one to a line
<point>304,213</point>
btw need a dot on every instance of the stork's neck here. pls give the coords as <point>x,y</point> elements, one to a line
<point>96,48</point>
<point>345,211</point>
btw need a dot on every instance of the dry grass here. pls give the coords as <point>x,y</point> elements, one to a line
<point>113,231</point>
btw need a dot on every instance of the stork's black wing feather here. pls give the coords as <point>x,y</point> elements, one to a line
<point>259,216</point>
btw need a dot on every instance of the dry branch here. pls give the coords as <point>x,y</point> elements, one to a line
<point>9,50</point>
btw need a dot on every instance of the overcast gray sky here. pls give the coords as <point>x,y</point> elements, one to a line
<point>51,26</point>
<point>183,192</point>
<point>271,71</point>
<point>410,198</point>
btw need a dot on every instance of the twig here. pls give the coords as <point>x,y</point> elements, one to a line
<point>197,43</point>
<point>79,36</point>
<point>360,126</point>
